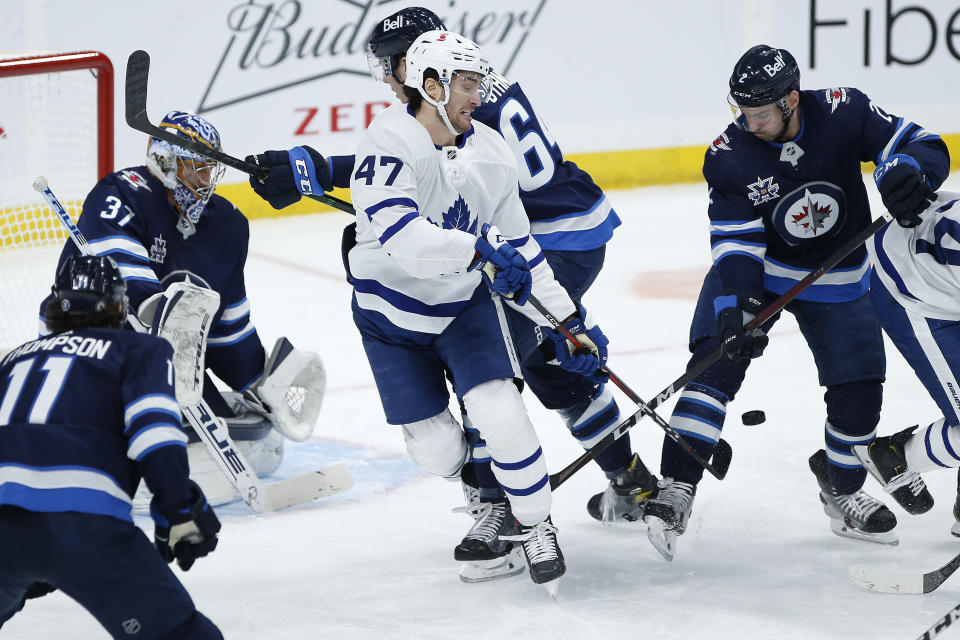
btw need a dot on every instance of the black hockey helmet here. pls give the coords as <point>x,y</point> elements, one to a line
<point>89,284</point>
<point>763,75</point>
<point>392,36</point>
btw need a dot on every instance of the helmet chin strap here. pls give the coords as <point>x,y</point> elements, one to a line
<point>441,108</point>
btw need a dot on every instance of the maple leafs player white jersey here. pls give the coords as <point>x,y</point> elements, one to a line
<point>920,267</point>
<point>419,210</point>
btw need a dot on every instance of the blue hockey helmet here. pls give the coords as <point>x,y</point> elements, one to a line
<point>89,284</point>
<point>392,36</point>
<point>763,75</point>
<point>191,176</point>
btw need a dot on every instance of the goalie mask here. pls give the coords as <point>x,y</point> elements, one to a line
<point>191,177</point>
<point>458,63</point>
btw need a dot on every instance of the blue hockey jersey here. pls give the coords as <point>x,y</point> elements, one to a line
<point>83,414</point>
<point>778,210</point>
<point>566,209</point>
<point>127,216</point>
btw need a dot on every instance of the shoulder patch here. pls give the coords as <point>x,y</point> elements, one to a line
<point>722,143</point>
<point>134,179</point>
<point>835,97</point>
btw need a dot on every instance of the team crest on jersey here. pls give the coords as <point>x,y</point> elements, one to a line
<point>835,97</point>
<point>158,252</point>
<point>722,142</point>
<point>134,179</point>
<point>813,211</point>
<point>763,190</point>
<point>458,216</point>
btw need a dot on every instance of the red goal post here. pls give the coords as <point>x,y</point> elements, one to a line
<point>58,122</point>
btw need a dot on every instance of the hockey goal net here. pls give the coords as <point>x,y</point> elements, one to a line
<point>57,121</point>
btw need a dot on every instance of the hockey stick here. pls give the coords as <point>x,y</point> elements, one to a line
<point>719,470</point>
<point>215,436</point>
<point>941,624</point>
<point>721,455</point>
<point>882,581</point>
<point>138,70</point>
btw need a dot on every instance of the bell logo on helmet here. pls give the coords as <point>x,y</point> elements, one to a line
<point>776,67</point>
<point>389,25</point>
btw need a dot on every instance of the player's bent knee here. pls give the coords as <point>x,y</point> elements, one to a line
<point>437,444</point>
<point>498,412</point>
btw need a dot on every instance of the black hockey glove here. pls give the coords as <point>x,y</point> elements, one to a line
<point>904,189</point>
<point>732,314</point>
<point>300,170</point>
<point>187,534</point>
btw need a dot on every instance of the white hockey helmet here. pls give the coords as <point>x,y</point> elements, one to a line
<point>446,53</point>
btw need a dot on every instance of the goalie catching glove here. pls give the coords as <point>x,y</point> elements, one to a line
<point>504,270</point>
<point>290,392</point>
<point>186,534</point>
<point>590,359</point>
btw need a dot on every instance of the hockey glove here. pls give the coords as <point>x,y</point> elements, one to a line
<point>732,315</point>
<point>904,189</point>
<point>504,270</point>
<point>590,359</point>
<point>300,170</point>
<point>187,534</point>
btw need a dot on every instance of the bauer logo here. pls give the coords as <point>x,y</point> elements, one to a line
<point>274,46</point>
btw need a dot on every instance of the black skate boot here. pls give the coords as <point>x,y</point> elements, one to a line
<point>544,558</point>
<point>624,497</point>
<point>668,513</point>
<point>886,461</point>
<point>955,529</point>
<point>855,515</point>
<point>485,555</point>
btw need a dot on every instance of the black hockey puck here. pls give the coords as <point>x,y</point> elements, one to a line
<point>751,418</point>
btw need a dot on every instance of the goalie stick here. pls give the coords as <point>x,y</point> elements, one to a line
<point>213,432</point>
<point>722,463</point>
<point>882,581</point>
<point>138,71</point>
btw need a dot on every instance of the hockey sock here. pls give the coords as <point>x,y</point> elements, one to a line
<point>590,420</point>
<point>935,446</point>
<point>853,411</point>
<point>698,417</point>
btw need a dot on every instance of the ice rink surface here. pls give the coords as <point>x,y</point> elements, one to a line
<point>758,559</point>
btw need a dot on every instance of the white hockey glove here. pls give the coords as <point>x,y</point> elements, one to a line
<point>183,315</point>
<point>290,392</point>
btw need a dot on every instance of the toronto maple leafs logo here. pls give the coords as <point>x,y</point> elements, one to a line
<point>458,217</point>
<point>763,190</point>
<point>812,211</point>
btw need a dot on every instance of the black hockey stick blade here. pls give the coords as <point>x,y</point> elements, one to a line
<point>882,581</point>
<point>138,73</point>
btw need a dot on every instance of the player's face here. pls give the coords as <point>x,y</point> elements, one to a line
<point>466,94</point>
<point>765,122</point>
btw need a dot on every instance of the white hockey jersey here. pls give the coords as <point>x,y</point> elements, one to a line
<point>921,266</point>
<point>420,209</point>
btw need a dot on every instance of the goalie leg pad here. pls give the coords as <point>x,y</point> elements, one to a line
<point>437,444</point>
<point>183,316</point>
<point>292,389</point>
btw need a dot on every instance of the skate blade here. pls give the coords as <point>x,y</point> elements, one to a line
<point>841,529</point>
<point>553,588</point>
<point>664,540</point>
<point>512,564</point>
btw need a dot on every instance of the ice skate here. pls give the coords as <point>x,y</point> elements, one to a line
<point>544,558</point>
<point>884,458</point>
<point>955,529</point>
<point>624,497</point>
<point>485,556</point>
<point>856,515</point>
<point>667,515</point>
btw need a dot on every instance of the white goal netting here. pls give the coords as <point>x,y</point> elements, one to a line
<point>51,121</point>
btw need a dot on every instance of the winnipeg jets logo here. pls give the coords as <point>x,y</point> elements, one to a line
<point>763,190</point>
<point>134,179</point>
<point>458,216</point>
<point>158,252</point>
<point>812,211</point>
<point>720,143</point>
<point>835,97</point>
